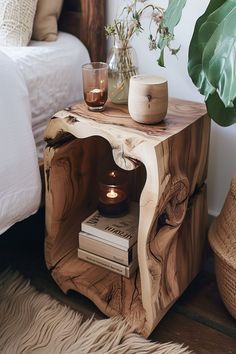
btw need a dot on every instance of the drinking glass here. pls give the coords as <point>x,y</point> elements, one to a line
<point>95,85</point>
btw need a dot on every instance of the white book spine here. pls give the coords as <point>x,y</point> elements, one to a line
<point>102,241</point>
<point>91,244</point>
<point>103,234</point>
<point>105,263</point>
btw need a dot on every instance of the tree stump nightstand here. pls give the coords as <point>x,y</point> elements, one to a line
<point>167,166</point>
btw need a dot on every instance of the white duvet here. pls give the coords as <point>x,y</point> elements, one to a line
<point>20,184</point>
<point>35,82</point>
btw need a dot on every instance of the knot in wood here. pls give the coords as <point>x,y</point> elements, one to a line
<point>149,97</point>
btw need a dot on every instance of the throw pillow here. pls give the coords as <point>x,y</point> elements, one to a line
<point>45,22</point>
<point>16,21</point>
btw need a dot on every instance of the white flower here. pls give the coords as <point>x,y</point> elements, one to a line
<point>152,44</point>
<point>157,17</point>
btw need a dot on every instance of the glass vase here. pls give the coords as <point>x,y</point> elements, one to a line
<point>122,64</point>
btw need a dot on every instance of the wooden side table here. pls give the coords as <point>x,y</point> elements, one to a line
<point>168,167</point>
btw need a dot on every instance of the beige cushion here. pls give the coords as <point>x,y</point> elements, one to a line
<point>16,21</point>
<point>45,22</point>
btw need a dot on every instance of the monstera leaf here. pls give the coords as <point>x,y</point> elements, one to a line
<point>212,64</point>
<point>171,18</point>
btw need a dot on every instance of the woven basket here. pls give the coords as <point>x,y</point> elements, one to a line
<point>222,238</point>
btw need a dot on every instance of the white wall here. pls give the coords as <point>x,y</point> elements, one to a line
<point>222,158</point>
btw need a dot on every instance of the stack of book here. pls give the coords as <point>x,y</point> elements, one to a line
<point>111,243</point>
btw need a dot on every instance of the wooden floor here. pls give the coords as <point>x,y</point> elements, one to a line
<point>198,319</point>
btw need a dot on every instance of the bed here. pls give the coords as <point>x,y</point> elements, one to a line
<point>32,90</point>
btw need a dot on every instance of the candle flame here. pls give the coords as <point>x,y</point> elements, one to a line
<point>112,194</point>
<point>96,90</point>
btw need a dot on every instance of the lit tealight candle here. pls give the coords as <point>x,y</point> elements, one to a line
<point>112,194</point>
<point>95,85</point>
<point>94,95</point>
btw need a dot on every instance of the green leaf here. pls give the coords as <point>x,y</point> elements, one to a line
<point>218,112</point>
<point>197,45</point>
<point>211,62</point>
<point>174,51</point>
<point>160,60</point>
<point>218,57</point>
<point>171,18</point>
<point>173,14</point>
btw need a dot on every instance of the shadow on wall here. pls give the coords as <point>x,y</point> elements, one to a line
<point>222,165</point>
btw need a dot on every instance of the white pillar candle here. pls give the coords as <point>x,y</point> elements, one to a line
<point>148,98</point>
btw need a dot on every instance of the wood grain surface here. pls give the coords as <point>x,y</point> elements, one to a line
<point>171,194</point>
<point>86,20</point>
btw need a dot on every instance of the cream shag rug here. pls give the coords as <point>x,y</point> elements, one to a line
<point>35,323</point>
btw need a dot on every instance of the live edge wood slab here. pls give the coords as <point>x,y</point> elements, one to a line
<point>167,166</point>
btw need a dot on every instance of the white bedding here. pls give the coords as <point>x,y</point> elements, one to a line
<point>35,82</point>
<point>20,185</point>
<point>52,83</point>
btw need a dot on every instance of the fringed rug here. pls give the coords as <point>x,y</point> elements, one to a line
<point>35,323</point>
